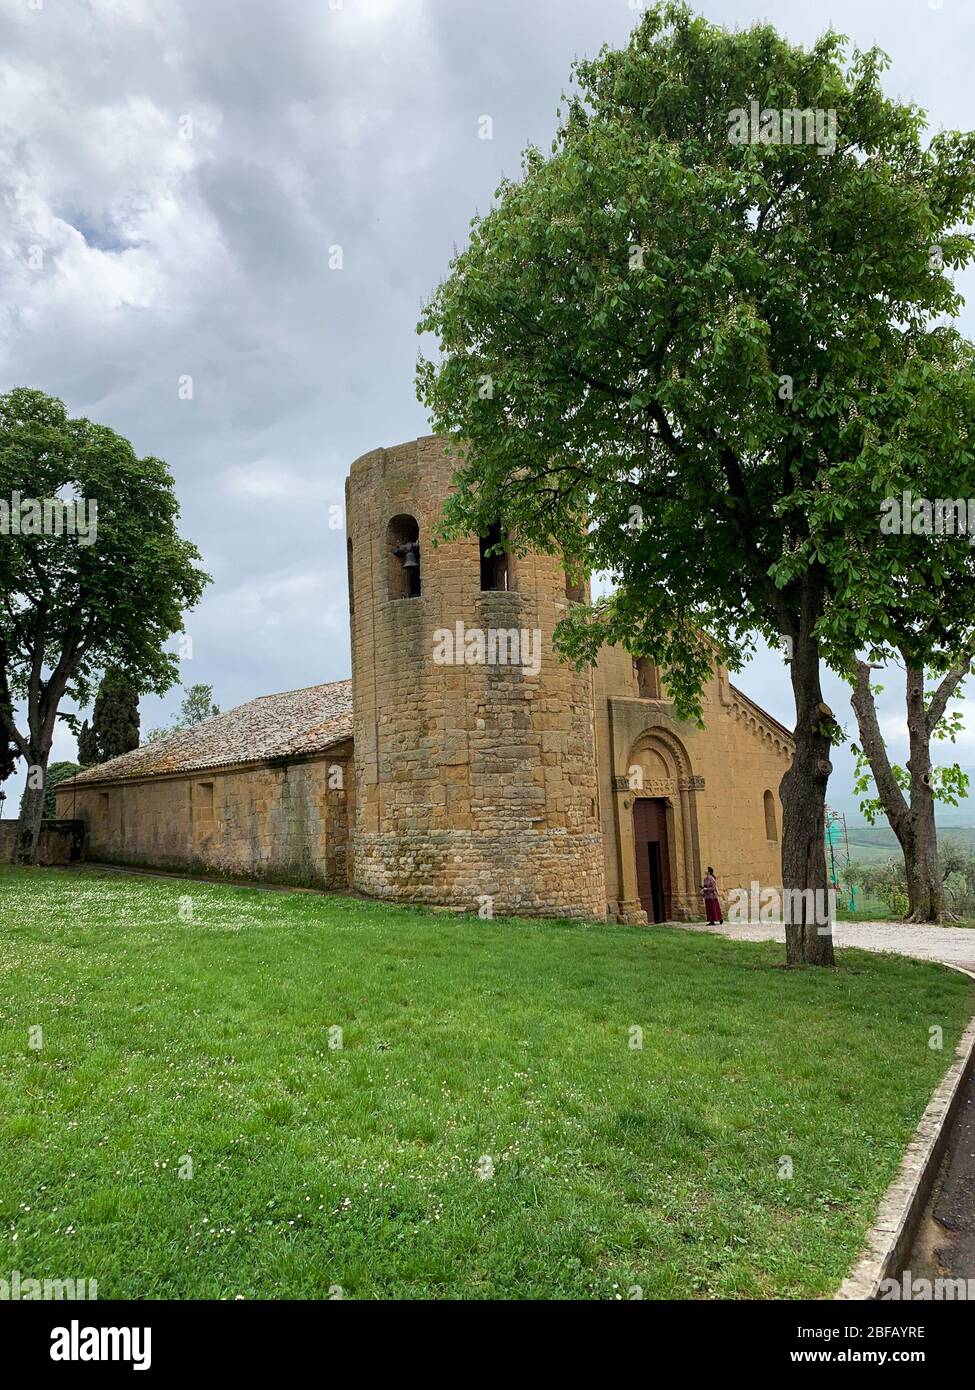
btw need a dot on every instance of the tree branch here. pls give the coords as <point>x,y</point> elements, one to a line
<point>875,751</point>
<point>949,685</point>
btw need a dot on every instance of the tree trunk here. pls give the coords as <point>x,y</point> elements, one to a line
<point>43,700</point>
<point>896,809</point>
<point>31,812</point>
<point>925,890</point>
<point>912,822</point>
<point>925,894</point>
<point>808,920</point>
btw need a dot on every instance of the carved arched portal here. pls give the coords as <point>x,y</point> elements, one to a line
<point>657,831</point>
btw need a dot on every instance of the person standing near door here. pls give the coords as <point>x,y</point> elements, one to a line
<point>712,903</point>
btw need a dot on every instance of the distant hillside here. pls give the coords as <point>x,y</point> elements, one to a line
<point>875,843</point>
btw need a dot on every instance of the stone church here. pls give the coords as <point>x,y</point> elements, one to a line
<point>464,764</point>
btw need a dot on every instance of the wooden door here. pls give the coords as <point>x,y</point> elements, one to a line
<point>652,857</point>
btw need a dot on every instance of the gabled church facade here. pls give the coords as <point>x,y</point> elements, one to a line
<point>464,764</point>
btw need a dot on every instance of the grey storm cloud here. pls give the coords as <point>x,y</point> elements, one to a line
<point>185,169</point>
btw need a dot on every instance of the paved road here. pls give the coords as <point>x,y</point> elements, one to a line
<point>953,945</point>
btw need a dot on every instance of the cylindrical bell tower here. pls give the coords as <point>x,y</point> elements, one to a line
<point>475,752</point>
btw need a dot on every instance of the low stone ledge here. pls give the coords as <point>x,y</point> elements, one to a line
<point>61,842</point>
<point>895,1226</point>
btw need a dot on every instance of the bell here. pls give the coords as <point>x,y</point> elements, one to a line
<point>411,560</point>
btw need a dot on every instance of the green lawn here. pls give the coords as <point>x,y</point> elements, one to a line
<point>486,1130</point>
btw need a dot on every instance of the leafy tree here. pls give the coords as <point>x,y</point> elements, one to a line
<point>907,795</point>
<point>956,858</point>
<point>958,872</point>
<point>87,745</point>
<point>851,877</point>
<point>911,588</point>
<point>886,881</point>
<point>74,604</point>
<point>57,772</point>
<point>197,705</point>
<point>115,722</point>
<point>658,345</point>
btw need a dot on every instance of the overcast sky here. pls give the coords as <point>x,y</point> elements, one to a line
<point>185,167</point>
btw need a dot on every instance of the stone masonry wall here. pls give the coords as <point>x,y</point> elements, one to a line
<point>286,823</point>
<point>61,841</point>
<point>731,763</point>
<point>472,780</point>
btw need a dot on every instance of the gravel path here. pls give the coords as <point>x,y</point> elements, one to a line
<point>952,945</point>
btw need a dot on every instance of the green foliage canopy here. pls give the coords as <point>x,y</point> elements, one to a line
<point>197,705</point>
<point>57,772</point>
<point>115,722</point>
<point>71,609</point>
<point>662,352</point>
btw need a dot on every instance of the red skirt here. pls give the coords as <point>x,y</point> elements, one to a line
<point>713,908</point>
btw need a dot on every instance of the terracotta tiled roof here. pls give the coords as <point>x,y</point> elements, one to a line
<point>292,724</point>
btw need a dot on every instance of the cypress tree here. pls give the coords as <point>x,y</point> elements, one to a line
<point>115,723</point>
<point>87,745</point>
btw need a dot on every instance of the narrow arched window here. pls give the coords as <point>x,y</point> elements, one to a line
<point>497,571</point>
<point>647,679</point>
<point>348,557</point>
<point>403,557</point>
<point>770,831</point>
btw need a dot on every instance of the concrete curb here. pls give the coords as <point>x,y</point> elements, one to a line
<point>892,1233</point>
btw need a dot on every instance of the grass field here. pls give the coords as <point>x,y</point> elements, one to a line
<point>875,844</point>
<point>488,1129</point>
